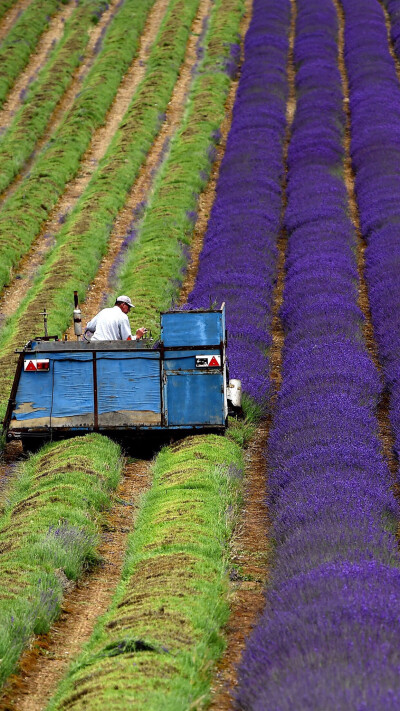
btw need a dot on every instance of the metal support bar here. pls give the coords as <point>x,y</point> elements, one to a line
<point>11,402</point>
<point>95,401</point>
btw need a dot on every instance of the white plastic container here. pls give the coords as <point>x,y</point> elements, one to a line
<point>234,393</point>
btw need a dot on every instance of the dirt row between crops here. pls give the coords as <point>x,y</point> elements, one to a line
<point>385,431</point>
<point>142,187</point>
<point>43,665</point>
<point>11,17</point>
<point>14,294</point>
<point>38,59</point>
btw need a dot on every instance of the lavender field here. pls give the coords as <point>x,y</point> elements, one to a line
<point>262,136</point>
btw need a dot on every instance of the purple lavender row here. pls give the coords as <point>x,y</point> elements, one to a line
<point>393,9</point>
<point>375,151</point>
<point>329,637</point>
<point>238,263</point>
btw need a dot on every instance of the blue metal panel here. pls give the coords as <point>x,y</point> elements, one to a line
<point>194,328</point>
<point>129,381</point>
<point>185,360</point>
<point>194,398</point>
<point>33,398</point>
<point>66,355</point>
<point>73,386</point>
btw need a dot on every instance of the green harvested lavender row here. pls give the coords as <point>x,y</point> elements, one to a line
<point>21,41</point>
<point>49,532</point>
<point>40,99</point>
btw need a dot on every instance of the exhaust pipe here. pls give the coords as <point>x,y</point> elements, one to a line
<point>77,317</point>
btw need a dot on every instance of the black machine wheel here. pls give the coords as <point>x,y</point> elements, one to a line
<point>236,412</point>
<point>32,444</point>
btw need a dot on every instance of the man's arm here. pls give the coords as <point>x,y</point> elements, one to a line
<point>91,326</point>
<point>125,328</point>
<point>90,329</point>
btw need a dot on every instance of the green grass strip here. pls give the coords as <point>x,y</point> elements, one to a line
<point>155,648</point>
<point>155,262</point>
<point>23,214</point>
<point>43,95</point>
<point>21,40</point>
<point>83,239</point>
<point>5,6</point>
<point>49,532</point>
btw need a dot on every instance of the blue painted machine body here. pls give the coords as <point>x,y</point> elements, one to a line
<point>125,386</point>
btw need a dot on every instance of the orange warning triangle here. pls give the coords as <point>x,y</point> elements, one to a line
<point>213,362</point>
<point>31,366</point>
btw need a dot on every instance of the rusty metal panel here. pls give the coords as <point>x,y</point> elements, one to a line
<point>33,398</point>
<point>129,418</point>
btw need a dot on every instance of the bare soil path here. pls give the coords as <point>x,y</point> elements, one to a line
<point>250,554</point>
<point>19,286</point>
<point>12,16</point>
<point>43,665</point>
<point>47,41</point>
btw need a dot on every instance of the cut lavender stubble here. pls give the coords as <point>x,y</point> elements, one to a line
<point>329,637</point>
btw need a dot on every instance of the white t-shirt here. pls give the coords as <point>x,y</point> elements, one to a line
<point>110,325</point>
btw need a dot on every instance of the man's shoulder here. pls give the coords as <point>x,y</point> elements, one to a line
<point>122,316</point>
<point>109,311</point>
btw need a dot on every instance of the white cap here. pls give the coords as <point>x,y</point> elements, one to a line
<point>125,300</point>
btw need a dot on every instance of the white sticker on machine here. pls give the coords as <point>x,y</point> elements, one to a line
<point>208,361</point>
<point>40,365</point>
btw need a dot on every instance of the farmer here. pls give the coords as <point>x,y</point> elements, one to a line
<point>113,324</point>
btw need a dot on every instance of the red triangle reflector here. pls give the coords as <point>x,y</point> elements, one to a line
<point>30,366</point>
<point>213,362</point>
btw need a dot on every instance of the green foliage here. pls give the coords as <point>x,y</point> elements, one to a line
<point>243,429</point>
<point>154,265</point>
<point>49,529</point>
<point>44,93</point>
<point>83,239</point>
<point>5,6</point>
<point>21,40</point>
<point>155,646</point>
<point>22,215</point>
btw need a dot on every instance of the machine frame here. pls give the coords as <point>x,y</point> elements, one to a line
<point>124,388</point>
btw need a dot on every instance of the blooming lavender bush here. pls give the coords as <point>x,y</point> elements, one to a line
<point>239,259</point>
<point>329,637</point>
<point>375,149</point>
<point>393,9</point>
